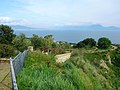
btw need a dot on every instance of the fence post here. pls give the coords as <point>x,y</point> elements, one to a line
<point>13,75</point>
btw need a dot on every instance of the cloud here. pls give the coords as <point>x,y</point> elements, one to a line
<point>69,11</point>
<point>10,21</point>
<point>60,12</point>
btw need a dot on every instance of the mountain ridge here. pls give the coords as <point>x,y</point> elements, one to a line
<point>70,27</point>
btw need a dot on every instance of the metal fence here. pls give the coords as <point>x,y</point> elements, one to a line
<point>16,65</point>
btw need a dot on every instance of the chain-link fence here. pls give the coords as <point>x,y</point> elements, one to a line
<point>16,65</point>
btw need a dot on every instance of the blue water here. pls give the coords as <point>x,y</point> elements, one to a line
<point>75,35</point>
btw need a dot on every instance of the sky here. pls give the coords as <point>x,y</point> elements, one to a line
<point>45,13</point>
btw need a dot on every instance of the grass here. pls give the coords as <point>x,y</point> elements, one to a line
<point>81,72</point>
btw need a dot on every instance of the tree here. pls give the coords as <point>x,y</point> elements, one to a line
<point>21,42</point>
<point>37,41</point>
<point>104,43</point>
<point>6,34</point>
<point>80,44</point>
<point>89,42</point>
<point>6,51</point>
<point>49,40</point>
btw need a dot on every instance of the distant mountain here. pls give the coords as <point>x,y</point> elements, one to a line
<point>86,27</point>
<point>69,27</point>
<point>15,27</point>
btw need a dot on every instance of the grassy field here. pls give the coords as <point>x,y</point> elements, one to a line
<point>83,71</point>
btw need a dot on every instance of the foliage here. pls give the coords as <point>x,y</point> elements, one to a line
<point>21,42</point>
<point>36,41</point>
<point>83,71</point>
<point>104,43</point>
<point>49,40</point>
<point>41,73</point>
<point>100,77</point>
<point>57,51</point>
<point>6,51</point>
<point>80,45</point>
<point>6,34</point>
<point>89,42</point>
<point>116,57</point>
<point>41,42</point>
<point>64,45</point>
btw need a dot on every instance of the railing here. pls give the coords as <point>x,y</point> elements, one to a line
<point>16,65</point>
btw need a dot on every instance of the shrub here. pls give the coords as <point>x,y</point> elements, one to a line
<point>80,45</point>
<point>21,42</point>
<point>57,51</point>
<point>6,51</point>
<point>89,42</point>
<point>75,53</point>
<point>116,57</point>
<point>104,43</point>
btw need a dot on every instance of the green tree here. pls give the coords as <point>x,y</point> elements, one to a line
<point>104,43</point>
<point>80,44</point>
<point>6,34</point>
<point>21,42</point>
<point>89,42</point>
<point>37,41</point>
<point>6,51</point>
<point>48,40</point>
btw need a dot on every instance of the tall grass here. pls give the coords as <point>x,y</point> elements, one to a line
<point>41,72</point>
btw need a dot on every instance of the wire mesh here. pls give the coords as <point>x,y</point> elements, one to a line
<point>16,65</point>
<point>18,61</point>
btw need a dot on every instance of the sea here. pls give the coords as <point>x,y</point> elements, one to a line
<point>74,36</point>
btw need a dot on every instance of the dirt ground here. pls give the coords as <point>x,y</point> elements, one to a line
<point>5,76</point>
<point>62,57</point>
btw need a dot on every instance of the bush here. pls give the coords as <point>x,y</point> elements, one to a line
<point>57,51</point>
<point>116,57</point>
<point>89,42</point>
<point>6,51</point>
<point>21,42</point>
<point>80,45</point>
<point>75,53</point>
<point>104,43</point>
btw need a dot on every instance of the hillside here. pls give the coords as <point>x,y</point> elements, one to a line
<point>85,70</point>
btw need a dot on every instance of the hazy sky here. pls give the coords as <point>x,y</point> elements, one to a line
<point>42,13</point>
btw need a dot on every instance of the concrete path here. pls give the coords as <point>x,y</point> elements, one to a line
<point>62,57</point>
<point>5,76</point>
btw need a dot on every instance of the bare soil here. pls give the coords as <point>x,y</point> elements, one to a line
<point>5,76</point>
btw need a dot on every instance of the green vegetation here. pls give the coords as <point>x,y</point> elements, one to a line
<point>6,37</point>
<point>83,71</point>
<point>116,57</point>
<point>9,42</point>
<point>89,42</point>
<point>6,34</point>
<point>42,73</point>
<point>92,66</point>
<point>6,50</point>
<point>104,43</point>
<point>21,42</point>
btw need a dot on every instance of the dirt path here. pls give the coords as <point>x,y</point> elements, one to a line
<point>5,76</point>
<point>62,57</point>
